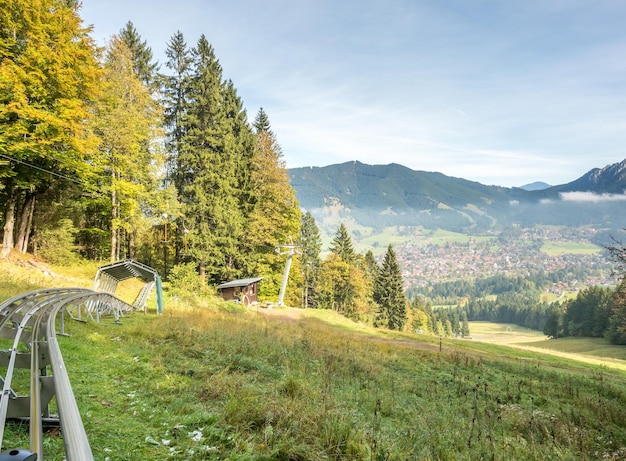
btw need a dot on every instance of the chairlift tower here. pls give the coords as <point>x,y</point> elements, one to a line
<point>289,250</point>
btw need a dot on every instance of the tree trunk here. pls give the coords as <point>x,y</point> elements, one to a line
<point>26,221</point>
<point>179,241</point>
<point>131,244</point>
<point>202,272</point>
<point>121,248</point>
<point>29,228</point>
<point>9,224</point>
<point>113,226</point>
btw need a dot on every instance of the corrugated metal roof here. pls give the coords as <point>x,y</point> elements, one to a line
<point>240,283</point>
<point>128,269</point>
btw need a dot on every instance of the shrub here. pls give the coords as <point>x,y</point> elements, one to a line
<point>56,245</point>
<point>184,280</point>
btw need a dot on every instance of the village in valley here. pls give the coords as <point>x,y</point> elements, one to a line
<point>521,251</point>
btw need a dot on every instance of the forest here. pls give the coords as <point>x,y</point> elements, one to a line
<point>594,312</point>
<point>105,155</point>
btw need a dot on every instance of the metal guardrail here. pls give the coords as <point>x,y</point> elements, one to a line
<point>28,321</point>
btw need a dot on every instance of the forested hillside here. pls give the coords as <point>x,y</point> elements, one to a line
<point>379,196</point>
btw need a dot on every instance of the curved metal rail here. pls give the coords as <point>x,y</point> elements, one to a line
<point>28,322</point>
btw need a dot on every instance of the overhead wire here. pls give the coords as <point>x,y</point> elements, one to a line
<point>42,169</point>
<point>89,192</point>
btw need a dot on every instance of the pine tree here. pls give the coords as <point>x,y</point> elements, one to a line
<point>342,245</point>
<point>310,246</point>
<point>44,113</point>
<point>389,292</point>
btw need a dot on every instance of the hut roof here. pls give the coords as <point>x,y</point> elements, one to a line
<point>239,283</point>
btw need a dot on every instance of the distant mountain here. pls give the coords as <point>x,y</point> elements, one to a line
<point>538,185</point>
<point>608,180</point>
<point>379,196</point>
<point>393,186</point>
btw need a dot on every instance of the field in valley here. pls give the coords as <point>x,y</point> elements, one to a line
<point>590,350</point>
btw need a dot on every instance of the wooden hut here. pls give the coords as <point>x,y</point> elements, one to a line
<point>244,290</point>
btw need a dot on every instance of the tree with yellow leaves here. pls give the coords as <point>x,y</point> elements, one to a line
<point>48,78</point>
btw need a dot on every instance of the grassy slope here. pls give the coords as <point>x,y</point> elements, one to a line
<point>206,383</point>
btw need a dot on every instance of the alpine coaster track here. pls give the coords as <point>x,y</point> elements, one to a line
<point>28,322</point>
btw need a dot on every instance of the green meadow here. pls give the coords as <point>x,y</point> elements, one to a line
<point>559,248</point>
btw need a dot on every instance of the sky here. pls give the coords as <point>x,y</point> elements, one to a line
<point>495,91</point>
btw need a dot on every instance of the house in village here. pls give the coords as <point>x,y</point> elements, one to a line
<point>242,290</point>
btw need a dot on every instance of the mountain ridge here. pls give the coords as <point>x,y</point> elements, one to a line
<point>392,194</point>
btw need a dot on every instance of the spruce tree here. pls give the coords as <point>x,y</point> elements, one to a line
<point>342,245</point>
<point>143,66</point>
<point>243,147</point>
<point>207,171</point>
<point>465,330</point>
<point>310,246</point>
<point>262,123</point>
<point>616,331</point>
<point>175,90</point>
<point>371,267</point>
<point>553,327</point>
<point>389,292</point>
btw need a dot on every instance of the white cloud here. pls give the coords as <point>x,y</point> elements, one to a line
<point>591,197</point>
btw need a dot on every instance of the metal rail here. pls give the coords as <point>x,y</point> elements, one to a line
<point>28,322</point>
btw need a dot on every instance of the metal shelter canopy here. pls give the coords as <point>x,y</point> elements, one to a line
<point>110,275</point>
